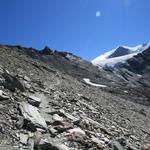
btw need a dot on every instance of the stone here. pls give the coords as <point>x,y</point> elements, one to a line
<point>11,82</point>
<point>131,147</point>
<point>27,85</point>
<point>20,122</point>
<point>106,140</point>
<point>65,115</point>
<point>117,146</point>
<point>33,100</point>
<point>134,138</point>
<point>23,138</point>
<point>88,106</point>
<point>72,118</point>
<point>77,131</point>
<point>126,92</point>
<point>27,78</point>
<point>122,141</point>
<point>146,147</point>
<point>56,117</point>
<point>62,126</point>
<point>47,143</point>
<point>62,147</point>
<point>32,116</point>
<point>3,96</point>
<point>77,134</point>
<point>97,141</point>
<point>52,131</point>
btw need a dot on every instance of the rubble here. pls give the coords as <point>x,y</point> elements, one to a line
<point>41,108</point>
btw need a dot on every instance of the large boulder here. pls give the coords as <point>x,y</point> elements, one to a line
<point>11,82</point>
<point>32,117</point>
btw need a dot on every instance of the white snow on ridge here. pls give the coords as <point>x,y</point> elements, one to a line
<point>87,81</point>
<point>113,61</point>
<point>119,55</point>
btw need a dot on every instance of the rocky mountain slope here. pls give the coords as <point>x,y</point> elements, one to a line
<point>55,100</point>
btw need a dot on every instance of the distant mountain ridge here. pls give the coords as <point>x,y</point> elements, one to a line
<point>118,55</point>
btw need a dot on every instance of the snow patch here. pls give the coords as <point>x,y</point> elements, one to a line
<point>86,80</point>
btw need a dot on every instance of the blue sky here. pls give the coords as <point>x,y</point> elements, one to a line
<point>86,28</point>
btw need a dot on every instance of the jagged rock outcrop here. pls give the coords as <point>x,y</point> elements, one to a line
<point>32,116</point>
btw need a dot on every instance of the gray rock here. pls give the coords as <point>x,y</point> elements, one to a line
<point>65,115</point>
<point>106,140</point>
<point>48,143</point>
<point>20,122</point>
<point>3,96</point>
<point>52,131</point>
<point>117,146</point>
<point>78,133</point>
<point>27,85</point>
<point>131,147</point>
<point>32,116</point>
<point>33,100</point>
<point>27,78</point>
<point>11,82</point>
<point>97,141</point>
<point>122,141</point>
<point>62,147</point>
<point>23,138</point>
<point>69,116</point>
<point>56,117</point>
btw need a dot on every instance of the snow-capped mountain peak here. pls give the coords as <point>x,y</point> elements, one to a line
<point>119,55</point>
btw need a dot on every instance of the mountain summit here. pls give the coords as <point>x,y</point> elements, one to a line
<point>119,55</point>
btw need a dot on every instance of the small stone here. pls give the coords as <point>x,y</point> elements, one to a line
<point>146,147</point>
<point>106,140</point>
<point>72,118</point>
<point>27,78</point>
<point>122,141</point>
<point>23,138</point>
<point>126,92</point>
<point>77,130</point>
<point>20,122</point>
<point>3,96</point>
<point>133,137</point>
<point>47,143</point>
<point>117,146</point>
<point>143,112</point>
<point>130,147</point>
<point>56,117</point>
<point>97,141</point>
<point>27,85</point>
<point>52,131</point>
<point>77,135</point>
<point>35,101</point>
<point>62,147</point>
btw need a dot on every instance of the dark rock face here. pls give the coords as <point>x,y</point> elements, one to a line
<point>120,51</point>
<point>45,103</point>
<point>140,62</point>
<point>11,82</point>
<point>46,51</point>
<point>137,69</point>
